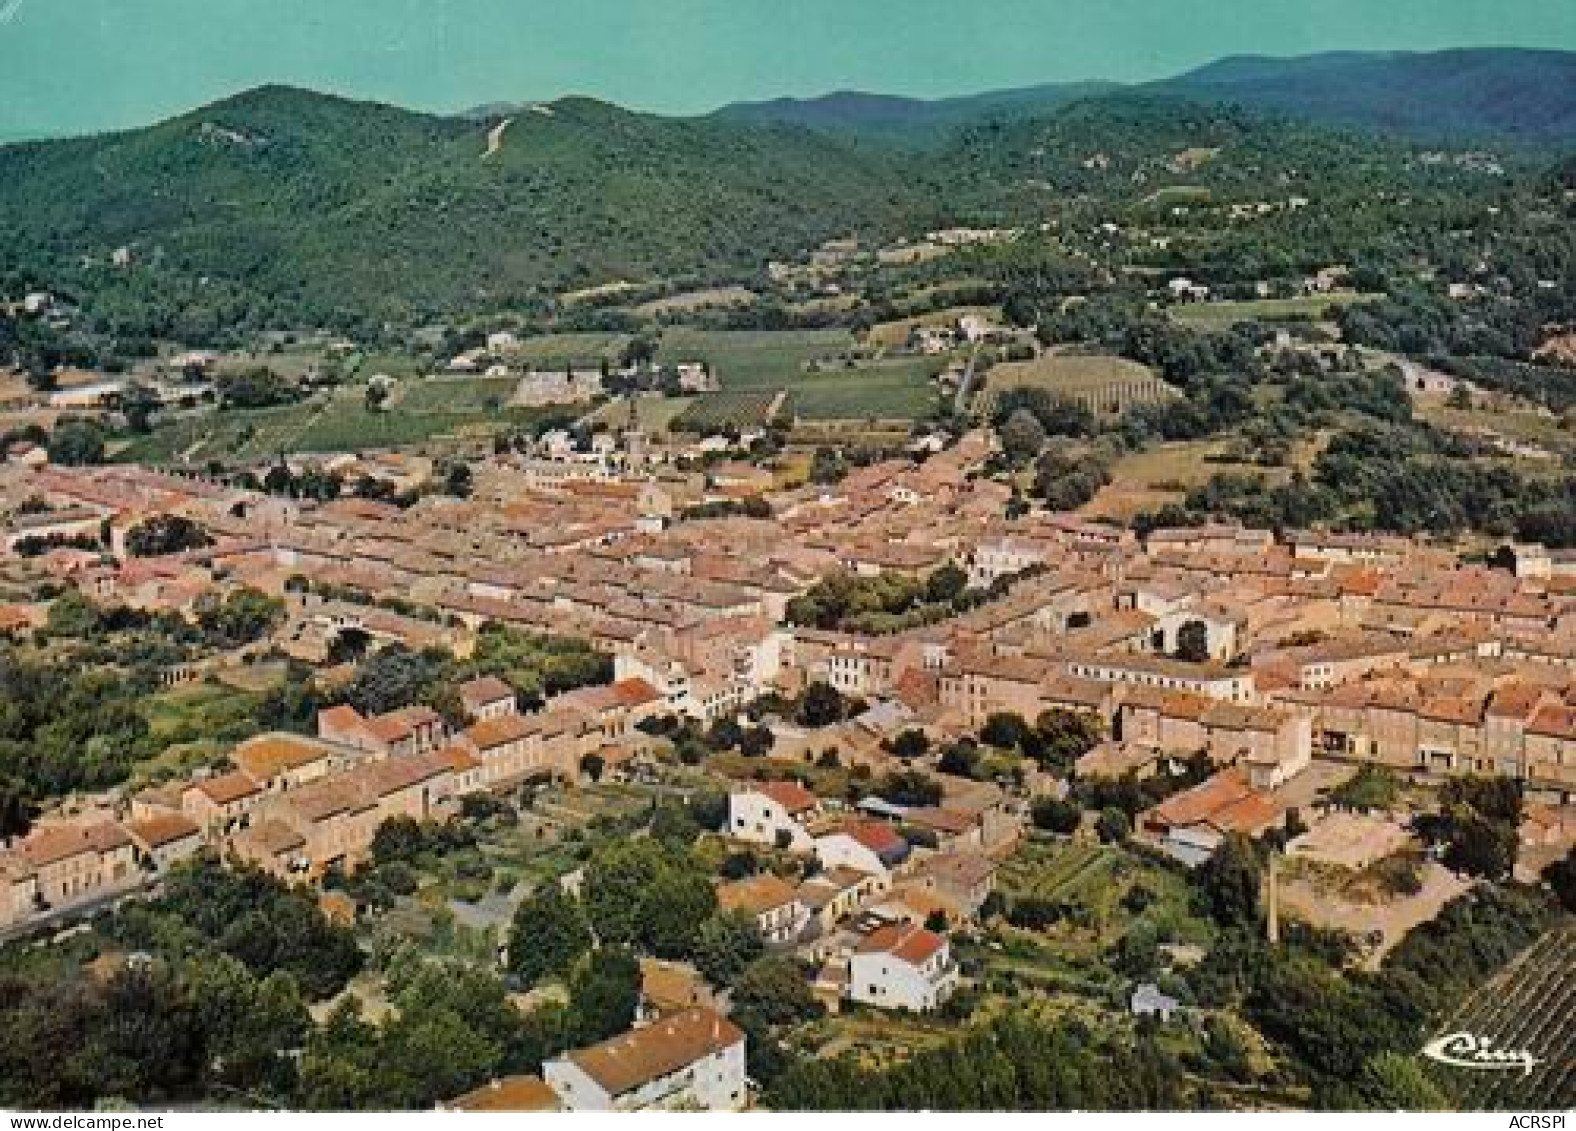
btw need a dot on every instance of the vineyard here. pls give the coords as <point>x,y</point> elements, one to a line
<point>1531,1006</point>
<point>745,410</point>
<point>1106,386</point>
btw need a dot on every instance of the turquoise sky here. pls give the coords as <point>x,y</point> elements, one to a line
<point>69,66</point>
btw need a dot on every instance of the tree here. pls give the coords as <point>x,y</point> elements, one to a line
<point>1476,825</point>
<point>776,990</point>
<point>674,906</point>
<point>1397,1082</point>
<point>389,679</point>
<point>1193,642</point>
<point>548,936</point>
<point>1063,736</point>
<point>672,823</point>
<point>910,744</point>
<point>243,616</point>
<point>909,787</point>
<point>757,742</point>
<point>946,583</point>
<point>457,480</point>
<point>725,946</point>
<point>1055,815</point>
<point>604,990</point>
<point>821,705</point>
<point>1004,730</point>
<point>162,534</point>
<point>1561,878</point>
<point>1113,825</point>
<point>1229,882</point>
<point>76,443</point>
<point>827,466</point>
<point>1022,436</point>
<point>645,893</point>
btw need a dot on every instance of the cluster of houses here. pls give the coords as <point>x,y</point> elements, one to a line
<point>1266,659</point>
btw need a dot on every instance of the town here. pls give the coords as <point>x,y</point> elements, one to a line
<point>1142,705</point>
<point>1061,598</point>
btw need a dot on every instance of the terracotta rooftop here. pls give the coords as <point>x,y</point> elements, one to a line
<point>162,829</point>
<point>755,894</point>
<point>225,788</point>
<point>480,692</point>
<point>904,941</point>
<point>627,1062</point>
<point>792,796</point>
<point>269,755</point>
<point>510,1094</point>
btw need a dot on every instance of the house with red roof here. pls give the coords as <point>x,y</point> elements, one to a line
<point>901,966</point>
<point>873,847</point>
<point>776,813</point>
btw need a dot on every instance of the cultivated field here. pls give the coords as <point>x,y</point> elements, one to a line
<point>697,300</point>
<point>1531,1006</point>
<point>815,367</point>
<point>454,394</point>
<point>745,410</point>
<point>1105,385</point>
<point>755,359</point>
<point>654,414</point>
<point>1209,314</point>
<point>558,351</point>
<point>336,421</point>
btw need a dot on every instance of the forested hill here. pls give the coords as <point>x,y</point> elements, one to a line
<point>281,207</point>
<point>320,200</point>
<point>909,122</point>
<point>1495,94</point>
<point>1488,94</point>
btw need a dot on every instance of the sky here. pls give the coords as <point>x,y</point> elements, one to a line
<point>77,66</point>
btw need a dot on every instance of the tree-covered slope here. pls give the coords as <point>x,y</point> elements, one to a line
<point>1488,93</point>
<point>328,202</point>
<point>910,122</point>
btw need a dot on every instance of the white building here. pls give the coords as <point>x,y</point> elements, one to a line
<point>691,1060</point>
<point>772,813</point>
<point>872,847</point>
<point>901,966</point>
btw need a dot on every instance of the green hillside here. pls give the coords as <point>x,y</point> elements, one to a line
<point>336,207</point>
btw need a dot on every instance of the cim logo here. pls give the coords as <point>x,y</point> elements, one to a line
<point>1468,1050</point>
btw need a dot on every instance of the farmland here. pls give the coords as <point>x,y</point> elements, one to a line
<point>455,394</point>
<point>818,367</point>
<point>750,359</point>
<point>335,421</point>
<point>654,413</point>
<point>744,410</point>
<point>1101,383</point>
<point>1092,880</point>
<point>1207,315</point>
<point>1531,1006</point>
<point>557,351</point>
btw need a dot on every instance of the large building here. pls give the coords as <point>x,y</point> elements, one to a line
<point>690,1061</point>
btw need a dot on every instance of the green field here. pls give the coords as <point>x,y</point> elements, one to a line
<point>653,414</point>
<point>337,421</point>
<point>455,394</point>
<point>556,351</point>
<point>1099,382</point>
<point>1095,878</point>
<point>1262,310</point>
<point>744,409</point>
<point>883,390</point>
<point>754,359</point>
<point>814,366</point>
